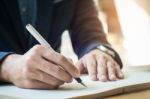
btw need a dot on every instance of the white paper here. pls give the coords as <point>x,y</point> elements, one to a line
<point>132,77</point>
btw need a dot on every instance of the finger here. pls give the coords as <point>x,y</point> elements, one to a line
<point>54,70</point>
<point>78,65</point>
<point>119,72</point>
<point>111,71</point>
<point>34,84</point>
<point>117,68</point>
<point>62,61</point>
<point>101,68</point>
<point>45,78</point>
<point>92,67</point>
<point>36,50</point>
<point>81,67</point>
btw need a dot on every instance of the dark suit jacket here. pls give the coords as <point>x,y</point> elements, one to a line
<point>78,16</point>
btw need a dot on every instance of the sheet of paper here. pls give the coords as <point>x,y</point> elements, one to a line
<point>94,89</point>
<point>7,97</point>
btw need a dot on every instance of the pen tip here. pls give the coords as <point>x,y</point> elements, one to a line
<point>83,84</point>
<point>80,81</point>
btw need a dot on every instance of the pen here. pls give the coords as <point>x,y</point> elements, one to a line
<point>42,41</point>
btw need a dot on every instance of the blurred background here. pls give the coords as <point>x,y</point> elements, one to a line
<point>127,26</point>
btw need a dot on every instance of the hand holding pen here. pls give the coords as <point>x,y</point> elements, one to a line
<point>38,68</point>
<point>65,64</point>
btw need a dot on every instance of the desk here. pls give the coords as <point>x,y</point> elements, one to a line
<point>145,94</point>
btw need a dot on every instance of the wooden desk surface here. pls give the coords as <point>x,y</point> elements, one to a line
<point>145,94</point>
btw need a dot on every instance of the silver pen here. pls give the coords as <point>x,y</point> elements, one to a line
<point>42,41</point>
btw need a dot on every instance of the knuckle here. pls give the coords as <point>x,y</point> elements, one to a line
<point>58,71</point>
<point>102,57</point>
<point>47,68</point>
<point>38,48</point>
<point>117,67</point>
<point>61,58</point>
<point>49,54</point>
<point>111,66</point>
<point>33,55</point>
<point>29,60</point>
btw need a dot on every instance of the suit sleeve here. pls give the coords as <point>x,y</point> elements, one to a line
<point>86,30</point>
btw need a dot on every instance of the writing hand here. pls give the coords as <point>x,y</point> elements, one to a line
<point>40,68</point>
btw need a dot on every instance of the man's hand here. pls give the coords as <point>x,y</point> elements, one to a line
<point>100,66</point>
<point>40,68</point>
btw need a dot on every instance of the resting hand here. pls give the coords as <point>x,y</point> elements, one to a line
<point>100,66</point>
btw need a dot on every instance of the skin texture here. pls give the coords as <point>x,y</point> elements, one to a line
<point>43,68</point>
<point>40,68</point>
<point>100,66</point>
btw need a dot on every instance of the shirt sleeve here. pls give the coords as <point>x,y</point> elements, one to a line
<point>3,55</point>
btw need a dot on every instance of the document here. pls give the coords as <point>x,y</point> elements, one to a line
<point>135,80</point>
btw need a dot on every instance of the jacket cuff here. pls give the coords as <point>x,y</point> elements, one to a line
<point>88,49</point>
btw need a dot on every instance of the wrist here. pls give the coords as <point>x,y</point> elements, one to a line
<point>108,50</point>
<point>6,67</point>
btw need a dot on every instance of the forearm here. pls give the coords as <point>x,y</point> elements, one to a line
<point>86,28</point>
